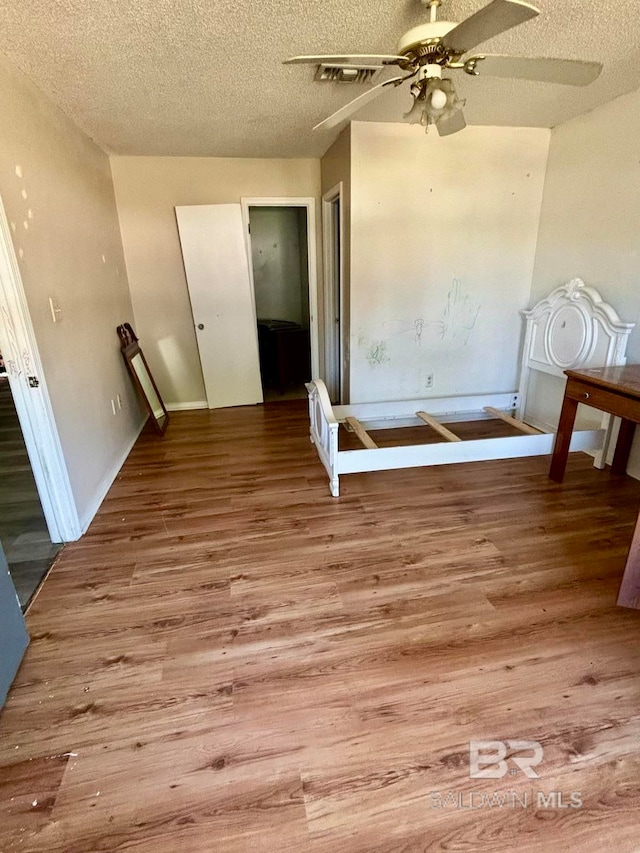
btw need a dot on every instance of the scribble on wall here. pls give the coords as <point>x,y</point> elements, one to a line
<point>377,353</point>
<point>460,314</point>
<point>419,328</point>
<point>459,318</point>
<point>447,328</point>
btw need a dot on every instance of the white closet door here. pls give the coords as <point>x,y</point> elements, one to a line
<point>217,269</point>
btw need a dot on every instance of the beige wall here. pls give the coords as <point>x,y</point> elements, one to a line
<point>71,251</point>
<point>443,237</point>
<point>147,191</point>
<point>590,221</point>
<point>336,168</point>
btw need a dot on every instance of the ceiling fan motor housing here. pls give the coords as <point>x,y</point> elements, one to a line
<point>425,40</point>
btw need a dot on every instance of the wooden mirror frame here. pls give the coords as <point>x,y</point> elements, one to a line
<point>130,350</point>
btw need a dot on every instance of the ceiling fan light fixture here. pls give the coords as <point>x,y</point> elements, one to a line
<point>434,99</point>
<point>433,47</point>
<point>415,114</point>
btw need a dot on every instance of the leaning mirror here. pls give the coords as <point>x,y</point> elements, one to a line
<point>142,378</point>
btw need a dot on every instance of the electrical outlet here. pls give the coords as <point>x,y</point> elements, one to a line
<point>428,380</point>
<point>119,401</point>
<point>113,406</point>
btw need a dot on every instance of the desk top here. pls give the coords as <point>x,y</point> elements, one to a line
<point>623,380</point>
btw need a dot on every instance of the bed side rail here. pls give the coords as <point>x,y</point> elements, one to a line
<point>382,415</point>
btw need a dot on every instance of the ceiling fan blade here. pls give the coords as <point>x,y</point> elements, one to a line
<point>571,72</point>
<point>354,106</point>
<point>496,18</point>
<point>446,127</point>
<point>352,59</point>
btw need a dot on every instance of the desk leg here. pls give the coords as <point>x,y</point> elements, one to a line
<point>629,595</point>
<point>563,439</point>
<point>623,447</point>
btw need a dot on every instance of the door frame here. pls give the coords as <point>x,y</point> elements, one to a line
<point>333,284</point>
<point>310,205</point>
<point>33,403</point>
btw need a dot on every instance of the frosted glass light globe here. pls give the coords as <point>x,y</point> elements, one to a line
<point>439,99</point>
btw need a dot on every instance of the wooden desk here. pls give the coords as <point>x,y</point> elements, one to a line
<point>615,390</point>
<point>611,389</point>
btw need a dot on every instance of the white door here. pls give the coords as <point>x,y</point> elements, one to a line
<point>217,270</point>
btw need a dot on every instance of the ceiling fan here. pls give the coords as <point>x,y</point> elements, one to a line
<point>426,51</point>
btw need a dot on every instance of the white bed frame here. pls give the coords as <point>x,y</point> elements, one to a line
<point>571,328</point>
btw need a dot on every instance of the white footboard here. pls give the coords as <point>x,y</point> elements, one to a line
<point>324,431</point>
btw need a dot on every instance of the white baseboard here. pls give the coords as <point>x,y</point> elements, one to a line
<point>543,426</point>
<point>109,478</point>
<point>634,471</point>
<point>183,407</point>
<point>106,482</point>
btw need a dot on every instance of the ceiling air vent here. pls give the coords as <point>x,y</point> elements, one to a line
<point>352,74</point>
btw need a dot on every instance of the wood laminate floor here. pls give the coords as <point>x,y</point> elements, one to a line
<point>231,660</point>
<point>23,530</point>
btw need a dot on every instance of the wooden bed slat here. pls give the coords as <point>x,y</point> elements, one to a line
<point>438,427</point>
<point>361,432</point>
<point>513,421</point>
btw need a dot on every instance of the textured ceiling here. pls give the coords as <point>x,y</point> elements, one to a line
<point>204,77</point>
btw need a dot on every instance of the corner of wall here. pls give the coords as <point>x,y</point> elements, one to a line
<point>109,478</point>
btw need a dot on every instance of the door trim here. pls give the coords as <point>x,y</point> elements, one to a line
<point>33,405</point>
<point>310,205</point>
<point>328,199</point>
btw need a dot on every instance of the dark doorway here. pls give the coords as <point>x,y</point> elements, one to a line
<point>279,254</point>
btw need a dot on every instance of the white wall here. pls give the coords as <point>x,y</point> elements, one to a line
<point>62,208</point>
<point>590,220</point>
<point>147,191</point>
<point>443,236</point>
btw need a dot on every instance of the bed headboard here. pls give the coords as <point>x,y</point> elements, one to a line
<point>571,328</point>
